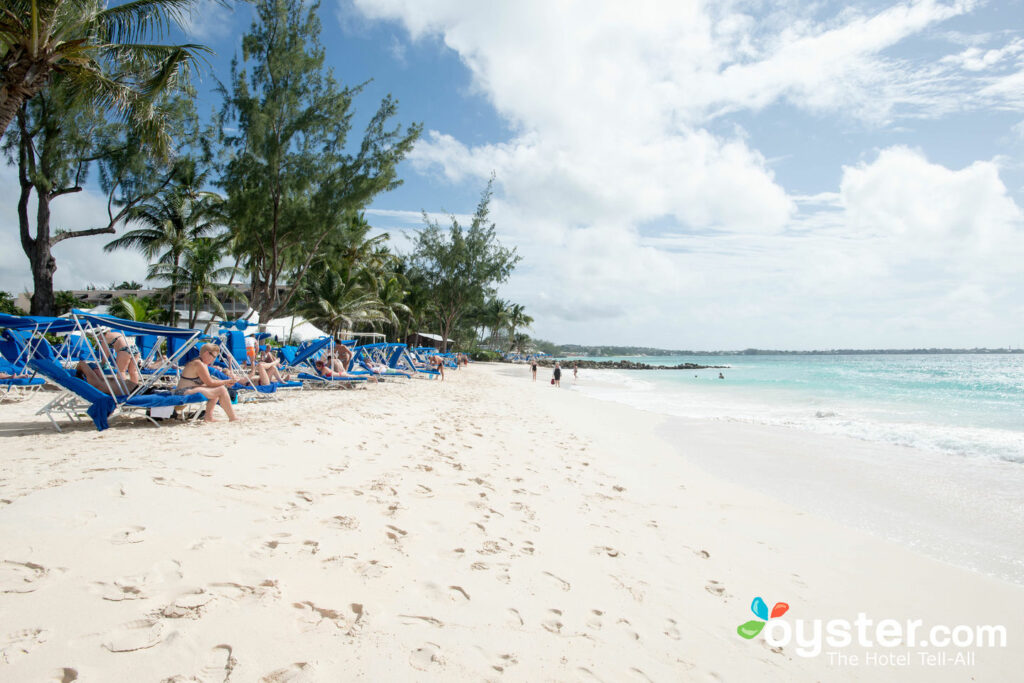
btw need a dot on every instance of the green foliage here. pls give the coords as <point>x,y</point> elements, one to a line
<point>64,301</point>
<point>459,269</point>
<point>104,57</point>
<point>170,222</point>
<point>139,309</point>
<point>7,305</point>
<point>341,300</point>
<point>292,186</point>
<point>126,285</point>
<point>485,355</point>
<point>200,276</point>
<point>57,143</point>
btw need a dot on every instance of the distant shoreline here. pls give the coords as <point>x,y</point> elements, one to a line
<point>629,365</point>
<point>598,352</point>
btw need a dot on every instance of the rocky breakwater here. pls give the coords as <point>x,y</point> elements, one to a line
<point>624,365</point>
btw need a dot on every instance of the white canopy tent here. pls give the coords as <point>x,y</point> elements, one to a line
<point>294,327</point>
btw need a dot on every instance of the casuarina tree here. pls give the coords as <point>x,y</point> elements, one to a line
<point>290,178</point>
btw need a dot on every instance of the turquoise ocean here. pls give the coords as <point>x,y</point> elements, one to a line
<point>939,459</point>
<point>968,405</point>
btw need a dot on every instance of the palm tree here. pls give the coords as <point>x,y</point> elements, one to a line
<point>391,293</point>
<point>102,54</point>
<point>495,315</point>
<point>134,308</point>
<point>517,318</point>
<point>520,341</point>
<point>201,276</point>
<point>338,300</point>
<point>171,222</point>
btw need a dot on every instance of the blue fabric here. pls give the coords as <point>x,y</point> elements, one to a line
<point>238,386</point>
<point>35,322</point>
<point>75,347</point>
<point>104,404</point>
<point>23,382</point>
<point>309,349</point>
<point>146,343</point>
<point>130,327</point>
<point>307,376</point>
<point>287,354</point>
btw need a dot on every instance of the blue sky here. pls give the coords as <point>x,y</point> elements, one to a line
<point>703,175</point>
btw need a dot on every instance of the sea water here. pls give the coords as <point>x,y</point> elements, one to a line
<point>969,405</point>
<point>939,462</point>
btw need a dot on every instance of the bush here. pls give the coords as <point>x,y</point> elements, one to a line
<point>484,355</point>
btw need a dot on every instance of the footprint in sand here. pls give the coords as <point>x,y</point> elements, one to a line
<point>427,658</point>
<point>190,605</point>
<point>350,622</point>
<point>715,588</point>
<point>219,664</point>
<point>21,577</point>
<point>294,673</point>
<point>422,491</point>
<point>553,623</point>
<point>396,534</point>
<point>413,620</point>
<point>15,645</point>
<point>134,635</point>
<point>671,629</point>
<point>458,591</point>
<point>562,583</point>
<point>515,618</point>
<point>240,593</point>
<point>131,534</point>
<point>66,675</point>
<point>605,550</point>
<point>594,619</point>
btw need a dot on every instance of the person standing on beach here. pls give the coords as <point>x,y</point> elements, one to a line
<point>558,375</point>
<point>575,371</point>
<point>533,368</point>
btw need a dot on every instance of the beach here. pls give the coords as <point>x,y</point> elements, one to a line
<point>482,528</point>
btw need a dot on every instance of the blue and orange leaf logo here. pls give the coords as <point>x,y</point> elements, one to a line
<point>760,610</point>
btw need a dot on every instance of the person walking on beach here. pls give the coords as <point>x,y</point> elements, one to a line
<point>575,371</point>
<point>557,374</point>
<point>533,368</point>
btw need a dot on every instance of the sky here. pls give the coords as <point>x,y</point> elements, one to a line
<point>690,175</point>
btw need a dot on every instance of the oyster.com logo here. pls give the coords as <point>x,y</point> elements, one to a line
<point>760,609</point>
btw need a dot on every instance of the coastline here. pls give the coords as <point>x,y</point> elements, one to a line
<point>484,527</point>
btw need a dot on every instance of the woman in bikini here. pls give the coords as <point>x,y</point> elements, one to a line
<point>195,379</point>
<point>115,346</point>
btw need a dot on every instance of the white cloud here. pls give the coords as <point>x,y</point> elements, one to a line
<point>80,261</point>
<point>617,111</point>
<point>977,59</point>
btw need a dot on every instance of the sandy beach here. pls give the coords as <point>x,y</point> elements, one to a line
<point>483,528</point>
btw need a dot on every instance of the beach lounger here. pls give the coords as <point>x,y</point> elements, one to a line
<point>24,338</point>
<point>18,388</point>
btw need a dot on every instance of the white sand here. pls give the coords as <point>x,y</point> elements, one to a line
<point>483,528</point>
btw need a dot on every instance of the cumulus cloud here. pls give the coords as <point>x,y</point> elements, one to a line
<point>634,211</point>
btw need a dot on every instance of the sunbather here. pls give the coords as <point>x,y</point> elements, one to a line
<point>195,379</point>
<point>271,365</point>
<point>335,370</point>
<point>116,347</point>
<point>115,386</point>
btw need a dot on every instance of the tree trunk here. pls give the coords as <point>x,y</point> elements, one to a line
<point>40,259</point>
<point>43,266</point>
<point>22,80</point>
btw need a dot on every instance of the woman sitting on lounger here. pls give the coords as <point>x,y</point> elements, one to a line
<point>196,379</point>
<point>270,365</point>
